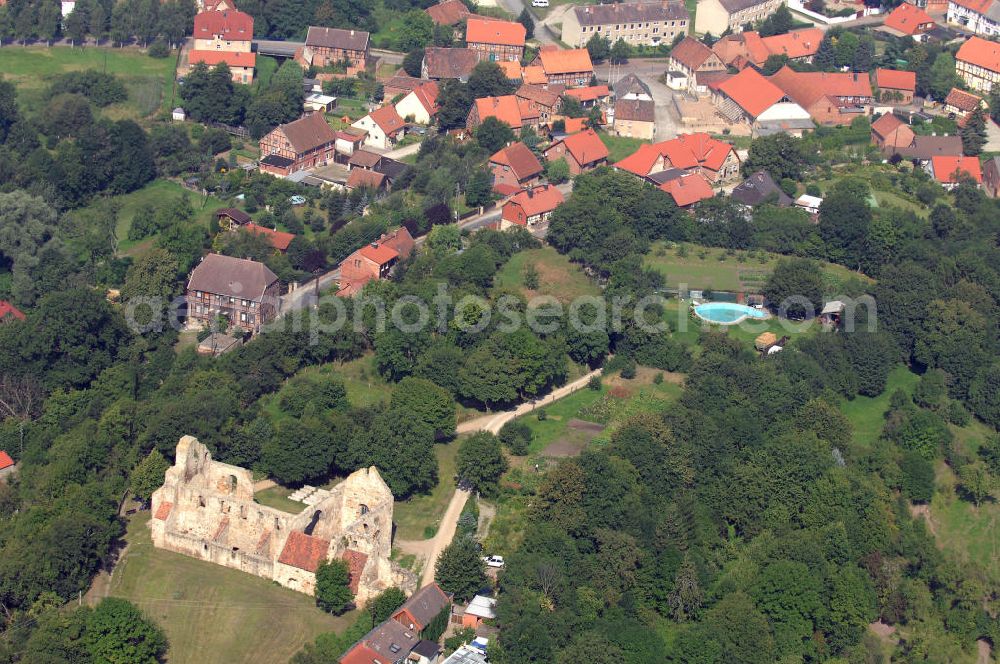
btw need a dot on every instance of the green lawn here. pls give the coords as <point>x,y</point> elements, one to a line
<point>364,384</point>
<point>277,497</point>
<point>557,276</point>
<point>150,81</point>
<point>215,614</point>
<point>266,66</point>
<point>967,532</point>
<point>414,517</point>
<point>153,195</point>
<point>702,269</point>
<point>620,147</point>
<point>866,413</point>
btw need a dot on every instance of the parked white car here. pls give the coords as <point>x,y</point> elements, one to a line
<point>493,561</point>
<point>539,3</point>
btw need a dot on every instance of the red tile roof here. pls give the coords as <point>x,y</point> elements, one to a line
<point>591,93</point>
<point>696,150</point>
<point>483,31</point>
<point>231,58</point>
<point>909,19</point>
<point>8,309</point>
<point>795,44</point>
<point>427,95</point>
<point>278,239</point>
<point>586,147</point>
<point>893,131</point>
<point>755,48</point>
<point>688,189</point>
<point>641,161</point>
<point>574,125</point>
<point>962,100</point>
<point>304,551</point>
<point>448,12</point>
<point>751,91</point>
<point>231,24</point>
<point>380,254</point>
<point>355,566</point>
<point>511,69</point>
<point>538,200</point>
<point>806,88</point>
<point>534,74</point>
<point>162,512</point>
<point>978,51</point>
<point>691,53</point>
<point>893,79</point>
<point>520,159</point>
<point>360,654</point>
<point>387,119</point>
<point>946,168</point>
<point>504,108</point>
<point>361,177</point>
<point>571,61</point>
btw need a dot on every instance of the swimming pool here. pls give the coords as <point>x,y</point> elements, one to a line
<point>728,313</point>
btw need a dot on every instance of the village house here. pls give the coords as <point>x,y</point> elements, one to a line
<point>514,111</point>
<point>544,100</point>
<point>691,56</point>
<point>495,40</point>
<point>374,261</point>
<point>398,638</point>
<point>388,642</point>
<point>347,142</point>
<point>243,291</point>
<point>951,171</point>
<point>423,607</point>
<point>718,16</point>
<point>583,151</point>
<point>960,103</point>
<point>635,118</point>
<point>924,148</point>
<point>530,207</point>
<point>746,96</point>
<point>895,87</point>
<point>687,188</point>
<point>279,240</point>
<point>7,465</point>
<point>589,96</point>
<point>569,67</point>
<point>449,12</point>
<point>305,143</point>
<point>359,178</point>
<point>977,62</point>
<point>419,106</point>
<point>384,126</point>
<point>760,188</point>
<point>478,610</point>
<point>216,6</point>
<point>637,23</point>
<point>699,153</point>
<point>514,167</point>
<point>442,63</point>
<point>907,20</point>
<point>225,36</point>
<point>232,218</point>
<point>980,17</point>
<point>327,46</point>
<point>401,84</point>
<point>8,312</point>
<point>631,86</point>
<point>830,98</point>
<point>991,177</point>
<point>740,49</point>
<point>889,132</point>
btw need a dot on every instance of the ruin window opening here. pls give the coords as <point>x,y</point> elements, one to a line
<point>364,510</point>
<point>232,484</point>
<point>201,501</point>
<point>312,523</point>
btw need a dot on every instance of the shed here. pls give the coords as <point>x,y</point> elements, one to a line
<point>479,609</point>
<point>765,341</point>
<point>319,102</point>
<point>178,114</point>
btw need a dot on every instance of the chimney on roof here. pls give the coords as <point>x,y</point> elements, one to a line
<point>531,192</point>
<point>352,33</point>
<point>374,245</point>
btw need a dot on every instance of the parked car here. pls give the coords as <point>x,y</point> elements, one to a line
<point>297,200</point>
<point>493,561</point>
<point>539,3</point>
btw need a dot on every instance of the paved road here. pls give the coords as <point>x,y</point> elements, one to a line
<point>649,70</point>
<point>305,295</point>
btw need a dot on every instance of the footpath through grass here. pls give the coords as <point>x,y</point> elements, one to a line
<point>215,614</point>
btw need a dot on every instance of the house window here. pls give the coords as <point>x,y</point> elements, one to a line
<point>243,317</point>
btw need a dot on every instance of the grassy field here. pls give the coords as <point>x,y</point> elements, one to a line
<point>277,497</point>
<point>866,413</point>
<point>557,276</point>
<point>414,517</point>
<point>619,147</point>
<point>364,384</point>
<point>215,614</point>
<point>150,81</point>
<point>968,533</point>
<point>266,66</point>
<point>153,195</point>
<point>705,268</point>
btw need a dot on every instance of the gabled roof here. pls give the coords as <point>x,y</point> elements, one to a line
<point>962,100</point>
<point>233,277</point>
<point>5,460</point>
<point>538,200</point>
<point>688,189</point>
<point>387,119</point>
<point>586,147</point>
<point>641,161</point>
<point>520,159</point>
<point>691,53</point>
<point>894,79</point>
<point>378,253</point>
<point>637,110</point>
<point>534,74</point>
<point>448,12</point>
<point>892,131</point>
<point>630,12</point>
<point>795,44</point>
<point>945,169</point>
<point>909,19</point>
<point>404,82</point>
<point>277,239</point>
<point>308,133</point>
<point>757,188</point>
<point>511,69</point>
<point>690,150</point>
<point>483,31</point>
<point>806,88</point>
<point>984,7</point>
<point>505,109</point>
<point>980,52</point>
<point>539,95</point>
<point>8,309</point>
<point>364,159</point>
<point>427,95</point>
<point>231,24</point>
<point>631,84</point>
<point>568,61</point>
<point>733,6</point>
<point>360,177</point>
<point>449,62</point>
<point>589,93</point>
<point>924,148</point>
<point>425,604</point>
<point>304,551</point>
<point>751,91</point>
<point>351,40</point>
<point>388,643</point>
<point>231,58</point>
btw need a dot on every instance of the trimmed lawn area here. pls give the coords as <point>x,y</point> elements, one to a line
<point>363,383</point>
<point>619,147</point>
<point>967,532</point>
<point>150,81</point>
<point>866,413</point>
<point>557,276</point>
<point>417,517</point>
<point>277,497</point>
<point>154,195</point>
<point>215,614</point>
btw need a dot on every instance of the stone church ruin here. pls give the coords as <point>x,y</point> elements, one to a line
<point>205,509</point>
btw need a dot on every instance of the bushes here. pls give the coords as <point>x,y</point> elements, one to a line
<point>516,437</point>
<point>100,88</point>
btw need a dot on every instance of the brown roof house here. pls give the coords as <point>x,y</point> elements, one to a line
<point>514,167</point>
<point>384,126</point>
<point>891,132</point>
<point>373,261</point>
<point>305,143</point>
<point>584,151</point>
<point>326,46</point>
<point>635,118</point>
<point>449,12</point>
<point>688,58</point>
<point>495,40</point>
<point>389,642</point>
<point>440,63</point>
<point>243,291</point>
<point>545,99</point>
<point>423,607</point>
<point>961,103</point>
<point>532,206</point>
<point>760,188</point>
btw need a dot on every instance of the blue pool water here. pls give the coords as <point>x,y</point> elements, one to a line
<point>728,313</point>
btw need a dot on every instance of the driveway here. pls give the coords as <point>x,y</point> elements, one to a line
<point>649,71</point>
